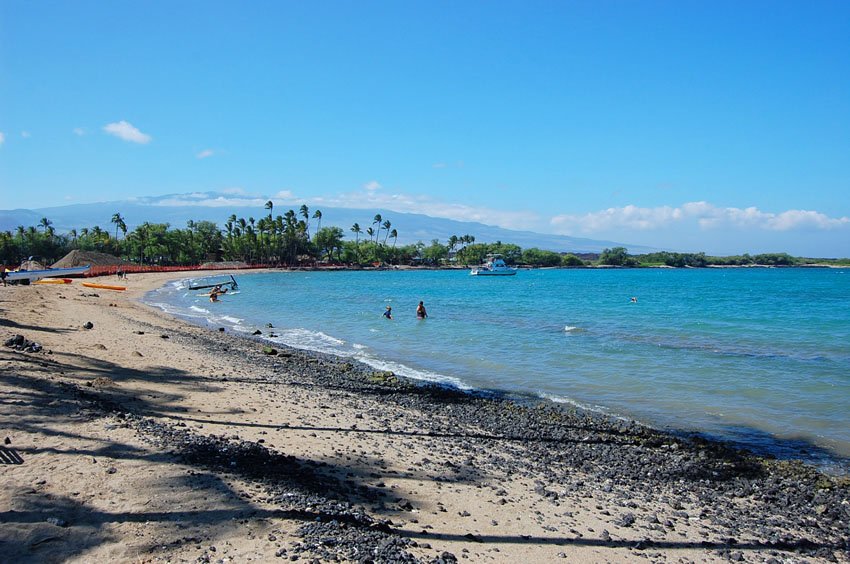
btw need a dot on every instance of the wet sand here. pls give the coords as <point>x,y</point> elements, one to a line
<point>144,438</point>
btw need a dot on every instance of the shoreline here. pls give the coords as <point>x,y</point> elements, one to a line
<point>827,458</point>
<point>372,462</point>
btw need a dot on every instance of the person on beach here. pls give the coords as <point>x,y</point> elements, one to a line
<point>420,311</point>
<point>389,312</point>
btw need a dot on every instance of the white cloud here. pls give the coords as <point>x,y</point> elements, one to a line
<point>707,216</point>
<point>804,219</point>
<point>372,186</point>
<point>126,131</point>
<point>413,203</point>
<point>458,164</point>
<point>206,153</point>
<point>227,197</point>
<point>211,201</point>
<point>79,131</point>
<point>2,137</point>
<point>26,134</point>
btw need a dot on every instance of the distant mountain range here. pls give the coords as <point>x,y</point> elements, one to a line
<point>411,227</point>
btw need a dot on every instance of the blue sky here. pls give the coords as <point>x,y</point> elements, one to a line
<point>718,126</point>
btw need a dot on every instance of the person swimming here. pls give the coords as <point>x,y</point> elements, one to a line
<point>389,312</point>
<point>420,311</point>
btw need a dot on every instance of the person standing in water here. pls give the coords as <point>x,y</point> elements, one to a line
<point>389,312</point>
<point>420,311</point>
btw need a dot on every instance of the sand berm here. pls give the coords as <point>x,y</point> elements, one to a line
<point>143,438</point>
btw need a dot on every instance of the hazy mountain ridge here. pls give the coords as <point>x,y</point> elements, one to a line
<point>411,227</point>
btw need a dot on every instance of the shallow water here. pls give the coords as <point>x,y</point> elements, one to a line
<point>758,356</point>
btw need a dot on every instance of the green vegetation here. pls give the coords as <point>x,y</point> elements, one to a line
<point>287,240</point>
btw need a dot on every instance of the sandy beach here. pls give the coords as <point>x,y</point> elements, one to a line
<point>144,438</point>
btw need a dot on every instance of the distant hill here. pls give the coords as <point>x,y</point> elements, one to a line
<point>411,227</point>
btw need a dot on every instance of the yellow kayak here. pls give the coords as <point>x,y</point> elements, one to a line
<point>53,281</point>
<point>104,286</point>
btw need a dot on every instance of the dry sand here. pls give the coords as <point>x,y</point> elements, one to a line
<point>91,472</point>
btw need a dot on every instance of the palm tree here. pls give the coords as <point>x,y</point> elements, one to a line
<point>305,213</point>
<point>394,235</point>
<point>387,226</point>
<point>377,219</point>
<point>270,207</point>
<point>47,225</point>
<point>357,231</point>
<point>318,215</point>
<point>119,224</point>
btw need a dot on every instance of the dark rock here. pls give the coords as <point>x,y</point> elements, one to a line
<point>627,520</point>
<point>88,325</point>
<point>257,332</point>
<point>57,521</point>
<point>16,341</point>
<point>269,351</point>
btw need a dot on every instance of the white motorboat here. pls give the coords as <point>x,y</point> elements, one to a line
<point>495,266</point>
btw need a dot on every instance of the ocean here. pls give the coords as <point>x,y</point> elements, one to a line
<point>759,357</point>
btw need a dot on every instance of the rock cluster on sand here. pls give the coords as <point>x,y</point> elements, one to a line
<point>21,343</point>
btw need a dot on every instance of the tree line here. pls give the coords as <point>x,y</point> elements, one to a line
<point>619,256</point>
<point>298,238</point>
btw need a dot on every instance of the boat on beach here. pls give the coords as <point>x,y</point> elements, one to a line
<point>495,266</point>
<point>33,275</point>
<point>104,286</point>
<point>50,281</point>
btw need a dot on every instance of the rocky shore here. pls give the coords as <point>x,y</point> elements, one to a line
<point>229,453</point>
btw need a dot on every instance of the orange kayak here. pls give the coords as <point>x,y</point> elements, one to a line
<point>53,281</point>
<point>104,286</point>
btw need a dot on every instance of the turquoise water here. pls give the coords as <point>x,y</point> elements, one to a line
<point>758,356</point>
